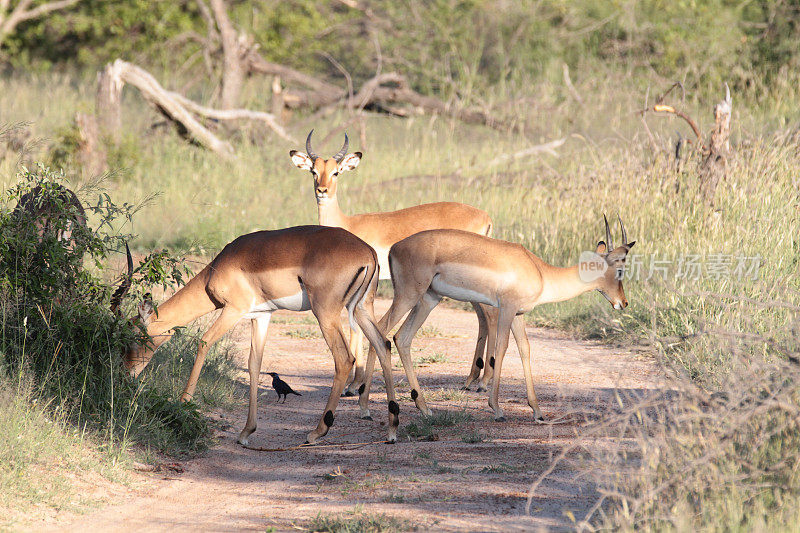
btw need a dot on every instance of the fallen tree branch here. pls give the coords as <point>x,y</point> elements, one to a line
<point>546,148</point>
<point>176,107</point>
<point>235,114</point>
<point>110,84</point>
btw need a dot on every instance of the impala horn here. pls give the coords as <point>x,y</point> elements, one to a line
<point>340,154</point>
<point>624,233</point>
<point>609,242</point>
<point>125,286</point>
<point>309,150</point>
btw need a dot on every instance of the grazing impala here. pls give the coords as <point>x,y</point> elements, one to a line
<point>52,208</point>
<point>472,268</point>
<point>301,268</point>
<point>382,230</point>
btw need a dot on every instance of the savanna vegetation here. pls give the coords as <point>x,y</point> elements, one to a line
<point>714,285</point>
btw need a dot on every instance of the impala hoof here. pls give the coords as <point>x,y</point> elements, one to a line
<point>480,388</point>
<point>368,417</point>
<point>391,441</point>
<point>348,393</point>
<point>500,419</point>
<point>539,418</point>
<point>465,388</point>
<point>243,442</point>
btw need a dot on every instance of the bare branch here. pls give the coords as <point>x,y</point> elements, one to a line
<point>571,88</point>
<point>21,13</point>
<point>234,114</point>
<point>119,72</point>
<point>47,8</point>
<point>548,148</point>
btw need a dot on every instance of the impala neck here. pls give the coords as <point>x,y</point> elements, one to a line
<point>562,283</point>
<point>330,214</point>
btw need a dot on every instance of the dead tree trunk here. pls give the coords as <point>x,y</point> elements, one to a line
<point>117,74</point>
<point>715,164</point>
<point>715,152</point>
<point>108,108</point>
<point>176,107</point>
<point>233,67</point>
<point>91,153</point>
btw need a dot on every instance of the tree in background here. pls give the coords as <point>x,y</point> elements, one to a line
<point>25,10</point>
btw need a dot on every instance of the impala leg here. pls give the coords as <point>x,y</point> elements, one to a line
<point>356,346</point>
<point>401,304</point>
<point>492,316</point>
<point>480,346</point>
<point>365,318</point>
<point>257,342</point>
<point>524,346</point>
<point>343,362</point>
<point>403,339</point>
<point>224,322</point>
<point>504,322</point>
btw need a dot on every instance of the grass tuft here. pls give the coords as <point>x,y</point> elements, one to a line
<point>359,522</point>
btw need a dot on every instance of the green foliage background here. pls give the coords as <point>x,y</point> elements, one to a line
<point>446,46</point>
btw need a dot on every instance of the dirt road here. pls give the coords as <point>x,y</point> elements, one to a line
<point>474,477</point>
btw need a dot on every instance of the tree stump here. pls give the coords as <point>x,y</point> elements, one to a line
<point>715,163</point>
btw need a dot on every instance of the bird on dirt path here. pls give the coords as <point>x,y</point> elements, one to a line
<point>281,387</point>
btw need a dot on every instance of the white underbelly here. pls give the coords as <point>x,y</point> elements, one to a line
<point>383,263</point>
<point>295,302</point>
<point>461,293</point>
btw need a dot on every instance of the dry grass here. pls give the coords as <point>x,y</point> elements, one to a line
<point>688,458</point>
<point>712,330</point>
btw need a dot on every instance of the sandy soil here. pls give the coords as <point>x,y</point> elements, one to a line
<point>447,485</point>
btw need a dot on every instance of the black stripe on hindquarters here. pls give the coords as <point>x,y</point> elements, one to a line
<point>479,363</point>
<point>355,279</point>
<point>361,388</point>
<point>414,394</point>
<point>328,418</point>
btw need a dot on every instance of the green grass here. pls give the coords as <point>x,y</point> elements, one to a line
<point>446,395</point>
<point>42,455</point>
<point>425,426</point>
<point>473,437</point>
<point>431,358</point>
<point>552,205</point>
<point>304,333</point>
<point>359,521</point>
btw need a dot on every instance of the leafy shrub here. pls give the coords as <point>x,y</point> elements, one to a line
<point>58,329</point>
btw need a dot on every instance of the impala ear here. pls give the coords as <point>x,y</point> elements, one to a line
<point>301,160</point>
<point>349,162</point>
<point>601,248</point>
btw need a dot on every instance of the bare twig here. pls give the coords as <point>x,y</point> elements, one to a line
<point>548,148</point>
<point>21,13</point>
<point>570,87</point>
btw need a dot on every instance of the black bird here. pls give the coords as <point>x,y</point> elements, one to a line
<point>281,387</point>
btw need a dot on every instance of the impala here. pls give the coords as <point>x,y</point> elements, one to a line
<point>301,268</point>
<point>52,207</point>
<point>382,230</point>
<point>473,268</point>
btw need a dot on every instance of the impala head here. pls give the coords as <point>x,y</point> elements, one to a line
<point>609,283</point>
<point>325,171</point>
<point>139,354</point>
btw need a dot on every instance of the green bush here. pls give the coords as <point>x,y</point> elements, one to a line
<point>57,329</point>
